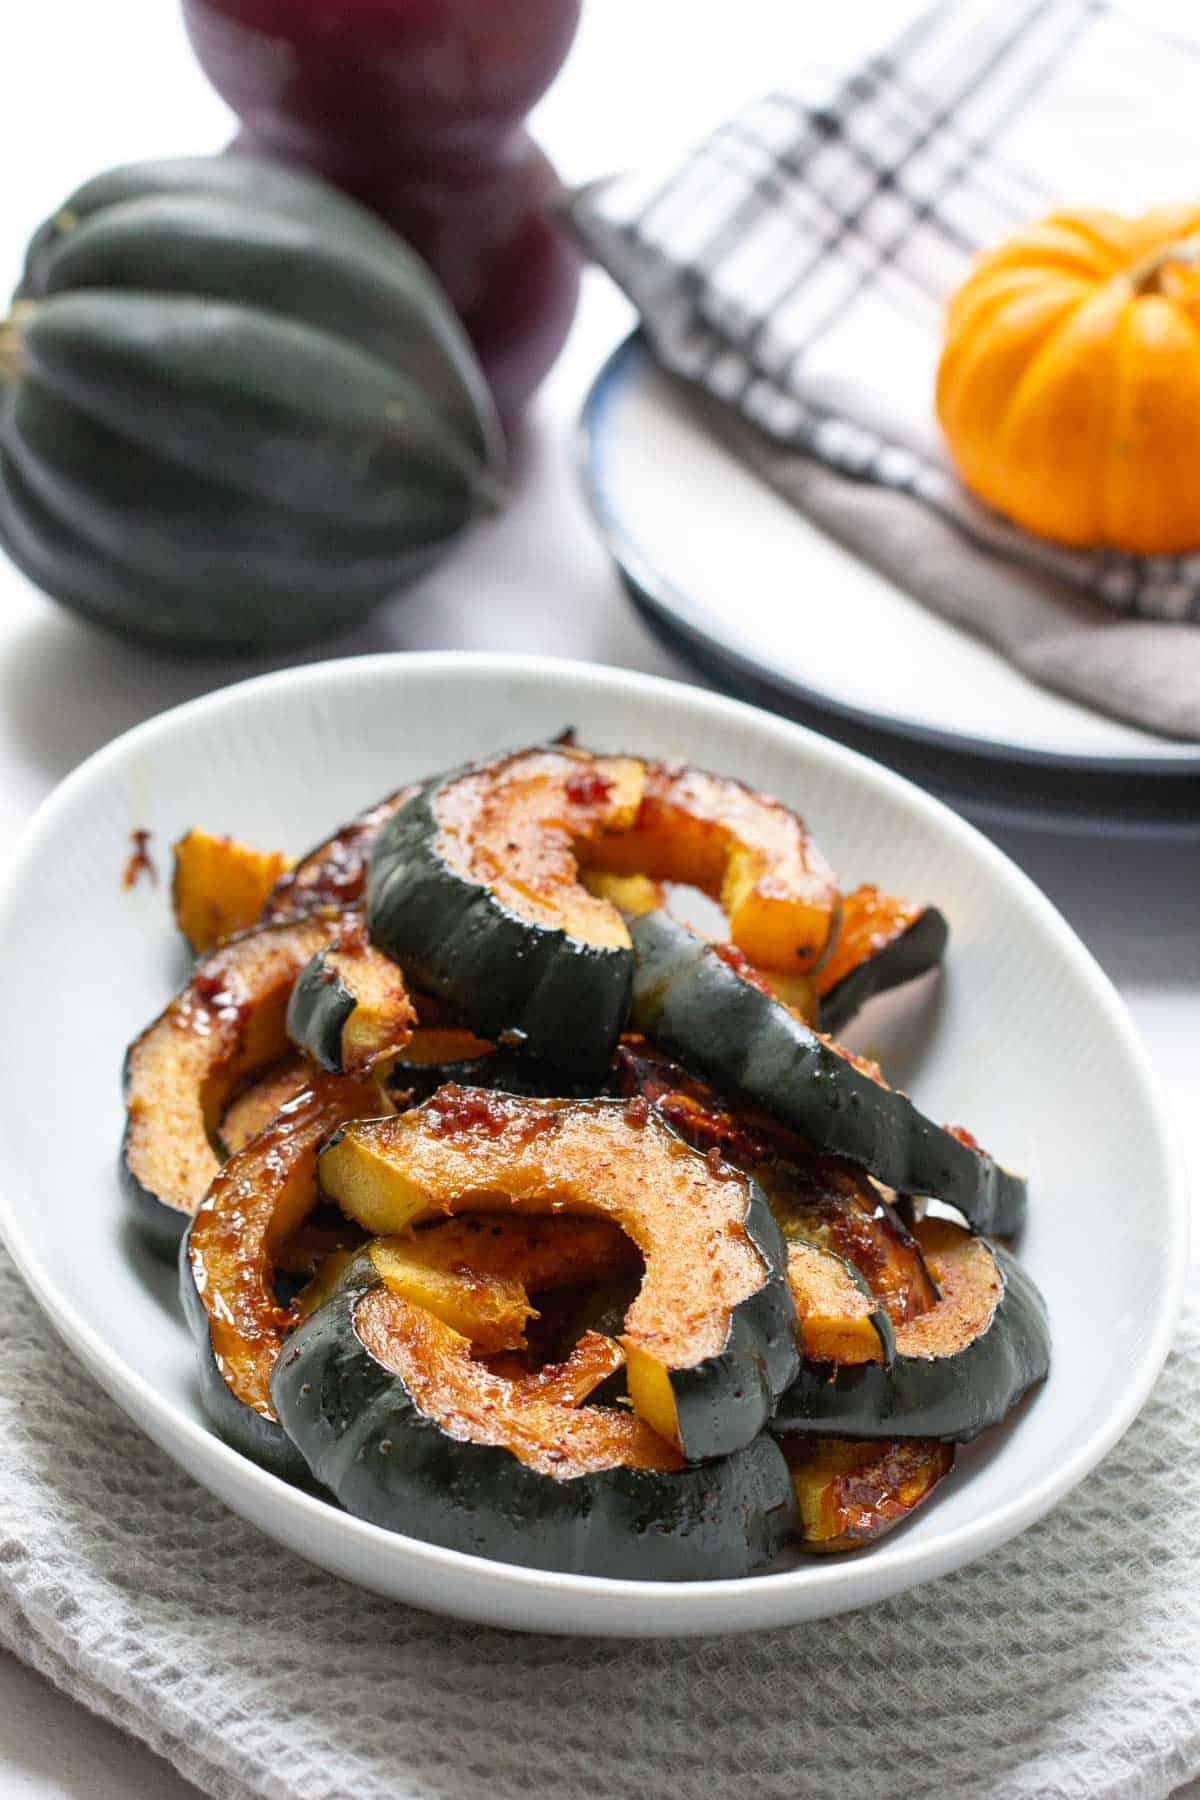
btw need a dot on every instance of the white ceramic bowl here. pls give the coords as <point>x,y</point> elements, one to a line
<point>1022,1038</point>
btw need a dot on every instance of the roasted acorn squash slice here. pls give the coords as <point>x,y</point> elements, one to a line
<point>228,1022</point>
<point>475,1274</point>
<point>817,1199</point>
<point>882,942</point>
<point>694,1002</point>
<point>255,1107</point>
<point>411,1431</point>
<point>958,1368</point>
<point>350,1008</point>
<point>840,1319</point>
<point>710,1340</point>
<point>228,1257</point>
<point>745,849</point>
<point>333,876</point>
<point>851,1493</point>
<point>474,889</point>
<point>220,886</point>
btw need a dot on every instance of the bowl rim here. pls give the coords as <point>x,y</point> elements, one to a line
<point>842,1584</point>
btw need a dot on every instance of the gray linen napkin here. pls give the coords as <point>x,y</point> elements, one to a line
<point>1137,669</point>
<point>794,267</point>
<point>1065,1665</point>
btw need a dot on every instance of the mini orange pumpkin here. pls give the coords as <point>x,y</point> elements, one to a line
<point>1069,383</point>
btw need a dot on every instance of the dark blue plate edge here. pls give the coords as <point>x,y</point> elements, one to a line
<point>1113,797</point>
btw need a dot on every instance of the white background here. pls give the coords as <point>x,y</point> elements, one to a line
<point>93,82</point>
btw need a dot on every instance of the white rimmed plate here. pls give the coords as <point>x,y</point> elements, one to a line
<point>716,559</point>
<point>1023,1038</point>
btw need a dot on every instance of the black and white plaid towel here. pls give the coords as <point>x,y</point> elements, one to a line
<point>795,266</point>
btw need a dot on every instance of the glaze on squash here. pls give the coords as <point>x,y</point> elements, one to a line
<point>688,997</point>
<point>258,1104</point>
<point>413,1432</point>
<point>226,1023</point>
<point>840,1320</point>
<point>743,848</point>
<point>710,1339</point>
<point>958,1368</point>
<point>817,1199</point>
<point>477,1274</point>
<point>227,1262</point>
<point>851,1493</point>
<point>474,890</point>
<point>333,876</point>
<point>350,1008</point>
<point>882,942</point>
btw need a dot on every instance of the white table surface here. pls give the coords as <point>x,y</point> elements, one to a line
<point>90,84</point>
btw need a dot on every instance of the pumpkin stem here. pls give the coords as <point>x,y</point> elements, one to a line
<point>12,330</point>
<point>1146,276</point>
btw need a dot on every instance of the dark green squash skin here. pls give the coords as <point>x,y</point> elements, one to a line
<point>691,1002</point>
<point>385,1461</point>
<point>189,615</point>
<point>557,998</point>
<point>318,1011</point>
<point>240,409</point>
<point>126,504</point>
<point>913,952</point>
<point>264,1441</point>
<point>235,228</point>
<point>953,1397</point>
<point>723,1401</point>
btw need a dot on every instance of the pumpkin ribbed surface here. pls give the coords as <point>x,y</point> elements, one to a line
<point>1069,383</point>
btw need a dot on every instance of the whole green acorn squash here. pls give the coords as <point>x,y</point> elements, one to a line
<point>234,409</point>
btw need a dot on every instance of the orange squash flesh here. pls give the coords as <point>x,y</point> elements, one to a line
<point>517,826</point>
<point>743,848</point>
<point>628,893</point>
<point>970,1288</point>
<point>255,1203</point>
<point>816,1198</point>
<point>565,838</point>
<point>834,1313</point>
<point>568,1382</point>
<point>476,1274</point>
<point>470,1402</point>
<point>257,1105</point>
<point>431,1046</point>
<point>228,1022</point>
<point>220,886</point>
<point>833,1206</point>
<point>469,1150</point>
<point>381,1023</point>
<point>870,919</point>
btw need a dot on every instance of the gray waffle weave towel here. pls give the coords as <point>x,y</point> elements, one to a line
<point>1067,1665</point>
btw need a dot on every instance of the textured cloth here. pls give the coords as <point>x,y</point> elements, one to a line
<point>1066,1665</point>
<point>795,266</point>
